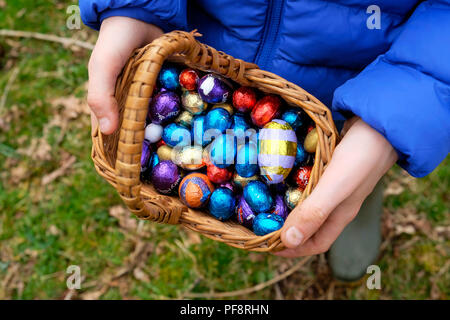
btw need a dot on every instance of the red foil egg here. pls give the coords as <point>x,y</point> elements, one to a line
<point>265,110</point>
<point>244,99</point>
<point>188,79</point>
<point>160,143</point>
<point>218,175</point>
<point>302,176</point>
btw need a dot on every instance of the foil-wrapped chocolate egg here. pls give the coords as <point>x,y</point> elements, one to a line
<point>241,182</point>
<point>165,177</point>
<point>222,203</point>
<point>280,208</point>
<point>257,195</point>
<point>265,110</point>
<point>244,99</point>
<point>301,157</point>
<point>239,125</point>
<point>189,157</point>
<point>146,155</point>
<point>153,132</point>
<point>197,130</point>
<point>214,89</point>
<point>223,150</point>
<point>176,135</point>
<point>188,79</point>
<point>160,143</point>
<point>301,176</point>
<point>244,214</point>
<point>247,160</point>
<point>192,102</point>
<point>296,118</point>
<point>292,197</point>
<point>225,106</point>
<point>218,175</point>
<point>266,223</point>
<point>185,119</point>
<point>218,119</point>
<point>153,161</point>
<point>164,107</point>
<point>164,153</point>
<point>168,77</point>
<point>277,150</point>
<point>195,190</point>
<point>311,140</point>
<point>228,185</point>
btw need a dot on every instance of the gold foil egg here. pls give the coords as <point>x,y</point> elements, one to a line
<point>292,197</point>
<point>189,158</point>
<point>225,106</point>
<point>192,102</point>
<point>185,119</point>
<point>242,181</point>
<point>164,152</point>
<point>311,140</point>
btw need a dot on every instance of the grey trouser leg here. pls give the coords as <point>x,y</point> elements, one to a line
<point>358,245</point>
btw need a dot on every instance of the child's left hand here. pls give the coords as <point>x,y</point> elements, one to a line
<point>358,163</point>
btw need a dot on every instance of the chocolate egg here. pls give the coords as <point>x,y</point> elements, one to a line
<point>292,197</point>
<point>244,214</point>
<point>153,132</point>
<point>223,151</point>
<point>188,79</point>
<point>265,110</point>
<point>185,119</point>
<point>153,161</point>
<point>301,156</point>
<point>277,150</point>
<point>228,185</point>
<point>195,190</point>
<point>280,208</point>
<point>214,89</point>
<point>257,195</point>
<point>301,176</point>
<point>296,118</point>
<point>168,77</point>
<point>189,158</point>
<point>247,160</point>
<point>266,223</point>
<point>146,155</point>
<point>311,140</point>
<point>176,135</point>
<point>240,126</point>
<point>218,119</point>
<point>218,175</point>
<point>241,182</point>
<point>165,153</point>
<point>192,102</point>
<point>165,177</point>
<point>197,130</point>
<point>164,107</point>
<point>244,99</point>
<point>225,106</point>
<point>222,203</point>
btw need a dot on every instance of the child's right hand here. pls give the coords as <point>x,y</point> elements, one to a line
<point>117,39</point>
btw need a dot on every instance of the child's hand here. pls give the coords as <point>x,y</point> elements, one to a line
<point>358,163</point>
<point>117,39</point>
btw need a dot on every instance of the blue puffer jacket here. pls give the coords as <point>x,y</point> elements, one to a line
<point>393,72</point>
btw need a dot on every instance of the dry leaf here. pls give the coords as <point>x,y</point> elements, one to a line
<point>58,172</point>
<point>139,274</point>
<point>123,216</point>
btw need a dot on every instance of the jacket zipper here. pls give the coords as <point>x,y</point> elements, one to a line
<point>270,35</point>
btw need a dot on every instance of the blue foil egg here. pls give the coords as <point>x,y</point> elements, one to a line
<point>223,151</point>
<point>247,160</point>
<point>301,157</point>
<point>176,135</point>
<point>218,119</point>
<point>257,195</point>
<point>265,223</point>
<point>239,123</point>
<point>222,203</point>
<point>296,118</point>
<point>197,130</point>
<point>154,161</point>
<point>168,77</point>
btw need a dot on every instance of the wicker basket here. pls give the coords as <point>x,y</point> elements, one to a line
<point>117,156</point>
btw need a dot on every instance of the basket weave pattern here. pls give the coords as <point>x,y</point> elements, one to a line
<point>117,157</point>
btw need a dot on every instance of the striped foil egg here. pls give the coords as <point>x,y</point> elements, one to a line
<point>277,150</point>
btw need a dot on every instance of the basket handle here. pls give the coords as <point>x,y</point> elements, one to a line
<point>146,64</point>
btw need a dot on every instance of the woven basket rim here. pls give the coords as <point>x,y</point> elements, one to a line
<point>117,157</point>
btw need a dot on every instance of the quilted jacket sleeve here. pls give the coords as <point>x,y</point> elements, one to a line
<point>405,93</point>
<point>166,14</point>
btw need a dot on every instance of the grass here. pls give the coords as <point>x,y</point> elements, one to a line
<point>70,221</point>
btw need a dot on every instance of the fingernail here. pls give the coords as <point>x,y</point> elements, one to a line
<point>293,236</point>
<point>104,124</point>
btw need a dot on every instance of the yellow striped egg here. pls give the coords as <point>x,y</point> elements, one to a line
<point>277,150</point>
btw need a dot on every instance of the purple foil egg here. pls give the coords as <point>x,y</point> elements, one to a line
<point>214,89</point>
<point>164,107</point>
<point>165,177</point>
<point>244,214</point>
<point>280,208</point>
<point>146,155</point>
<point>228,185</point>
